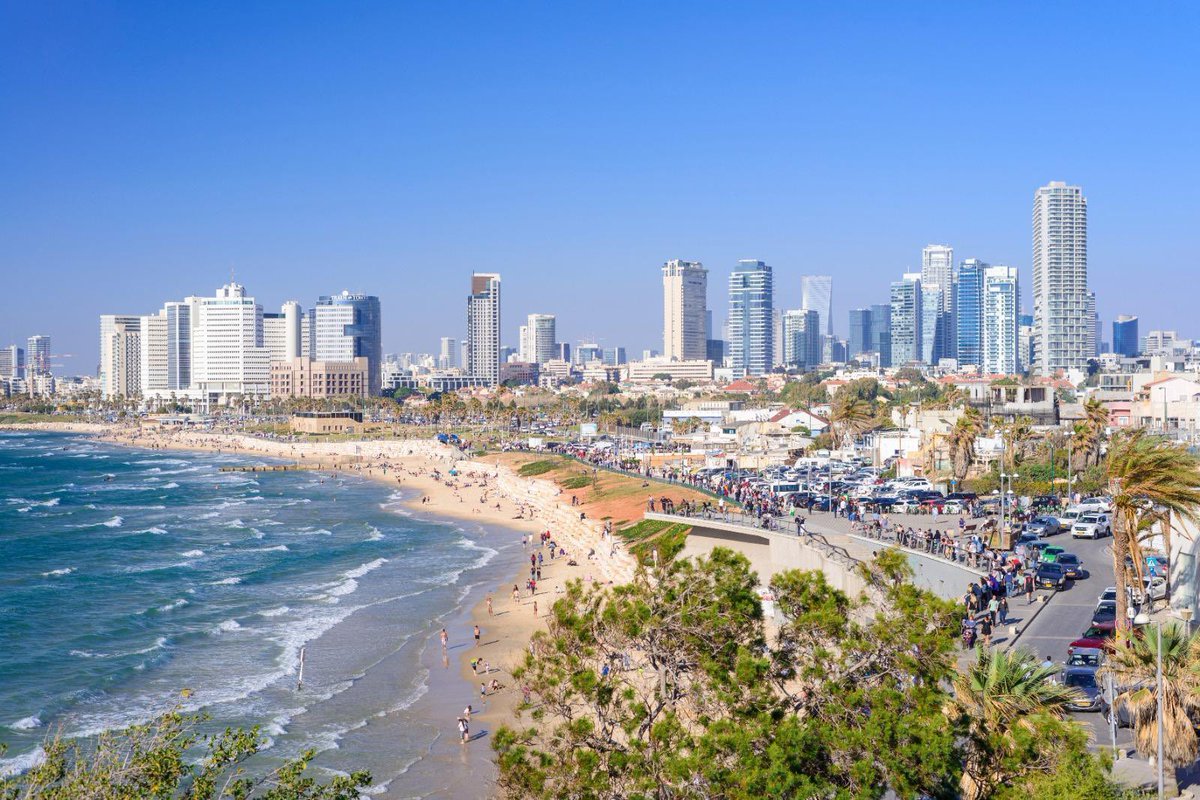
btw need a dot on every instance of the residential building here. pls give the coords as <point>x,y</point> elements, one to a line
<point>1063,321</point>
<point>937,269</point>
<point>347,326</point>
<point>1025,341</point>
<point>1160,343</point>
<point>801,339</point>
<point>179,316</point>
<point>935,325</point>
<point>483,328</point>
<point>1125,335</point>
<point>120,355</point>
<point>1093,333</point>
<point>283,332</point>
<point>155,372</point>
<point>37,355</point>
<point>228,357</point>
<point>12,362</point>
<point>700,370</point>
<point>1001,341</point>
<point>537,339</point>
<point>751,298</point>
<point>906,327</point>
<point>969,313</point>
<point>685,307</point>
<point>816,294</point>
<point>305,377</point>
<point>519,373</point>
<point>860,331</point>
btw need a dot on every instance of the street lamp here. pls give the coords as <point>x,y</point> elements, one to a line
<point>1144,619</point>
<point>1004,499</point>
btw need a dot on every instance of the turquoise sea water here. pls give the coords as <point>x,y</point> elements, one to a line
<point>127,575</point>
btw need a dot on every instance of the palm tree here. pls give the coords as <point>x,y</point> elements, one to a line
<point>962,441</point>
<point>1148,476</point>
<point>1001,692</point>
<point>1135,667</point>
<point>849,417</point>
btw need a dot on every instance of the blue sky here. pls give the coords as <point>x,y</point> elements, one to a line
<point>148,148</point>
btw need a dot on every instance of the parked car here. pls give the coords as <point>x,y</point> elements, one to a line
<point>1154,587</point>
<point>1030,539</point>
<point>1110,593</point>
<point>1050,553</point>
<point>1044,501</point>
<point>1051,576</point>
<point>1106,611</point>
<point>954,507</point>
<point>1083,657</point>
<point>1084,680</point>
<point>965,496</point>
<point>1099,503</point>
<point>1043,526</point>
<point>1092,526</point>
<point>1096,637</point>
<point>1071,563</point>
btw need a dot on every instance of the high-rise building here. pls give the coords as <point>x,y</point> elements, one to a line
<point>906,327</point>
<point>446,355</point>
<point>12,362</point>
<point>816,294</point>
<point>860,331</point>
<point>562,352</point>
<point>179,343</point>
<point>881,333</point>
<point>685,304</point>
<point>537,339</point>
<point>801,339</point>
<point>155,372</point>
<point>751,298</point>
<point>1160,343</point>
<point>934,324</point>
<point>1093,347</point>
<point>1001,340</point>
<point>588,351</point>
<point>347,326</point>
<point>969,312</point>
<point>833,349</point>
<point>1063,321</point>
<point>37,355</point>
<point>937,269</point>
<point>228,356</point>
<point>1025,341</point>
<point>614,356</point>
<point>483,327</point>
<point>120,355</point>
<point>1125,335</point>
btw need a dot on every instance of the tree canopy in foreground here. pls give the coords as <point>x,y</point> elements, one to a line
<point>676,686</point>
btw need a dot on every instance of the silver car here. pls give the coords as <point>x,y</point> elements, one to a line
<point>1083,679</point>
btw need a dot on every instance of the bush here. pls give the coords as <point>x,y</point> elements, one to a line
<point>577,482</point>
<point>537,468</point>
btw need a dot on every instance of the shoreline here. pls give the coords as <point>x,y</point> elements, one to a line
<point>490,495</point>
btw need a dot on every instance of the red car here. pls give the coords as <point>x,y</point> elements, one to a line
<point>1096,637</point>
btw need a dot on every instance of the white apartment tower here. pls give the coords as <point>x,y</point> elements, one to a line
<point>228,356</point>
<point>937,270</point>
<point>537,338</point>
<point>816,294</point>
<point>685,307</point>
<point>37,355</point>
<point>154,361</point>
<point>120,355</point>
<point>483,327</point>
<point>447,358</point>
<point>1063,318</point>
<point>1001,334</point>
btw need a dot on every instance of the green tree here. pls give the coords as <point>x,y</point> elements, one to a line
<point>1010,708</point>
<point>962,441</point>
<point>169,758</point>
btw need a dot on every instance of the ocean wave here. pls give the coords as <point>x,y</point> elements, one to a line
<point>171,485</point>
<point>227,626</point>
<point>115,522</point>
<point>227,582</point>
<point>55,572</point>
<point>279,548</point>
<point>330,592</point>
<point>180,603</point>
<point>257,533</point>
<point>274,612</point>
<point>233,523</point>
<point>376,534</point>
<point>363,569</point>
<point>26,724</point>
<point>155,530</point>
<point>22,763</point>
<point>192,554</point>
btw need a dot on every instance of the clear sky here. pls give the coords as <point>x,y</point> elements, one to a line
<point>393,147</point>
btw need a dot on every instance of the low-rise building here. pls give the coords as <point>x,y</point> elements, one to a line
<point>655,368</point>
<point>302,377</point>
<point>327,421</point>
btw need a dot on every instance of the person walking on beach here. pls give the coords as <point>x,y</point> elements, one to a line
<point>445,638</point>
<point>489,605</point>
<point>535,608</point>
<point>477,636</point>
<point>463,730</point>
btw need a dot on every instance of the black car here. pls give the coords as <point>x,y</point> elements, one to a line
<point>966,497</point>
<point>1045,501</point>
<point>1071,563</point>
<point>1052,576</point>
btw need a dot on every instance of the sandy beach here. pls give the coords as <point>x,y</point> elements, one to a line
<point>443,483</point>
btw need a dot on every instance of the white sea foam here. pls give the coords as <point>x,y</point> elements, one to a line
<point>115,522</point>
<point>26,723</point>
<point>376,534</point>
<point>155,530</point>
<point>227,626</point>
<point>274,612</point>
<point>370,566</point>
<point>228,581</point>
<point>180,603</point>
<point>171,485</point>
<point>233,523</point>
<point>257,533</point>
<point>22,763</point>
<point>192,554</point>
<point>55,572</point>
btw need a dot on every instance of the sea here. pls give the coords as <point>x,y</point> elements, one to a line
<point>128,576</point>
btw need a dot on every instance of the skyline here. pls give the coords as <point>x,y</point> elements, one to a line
<point>148,151</point>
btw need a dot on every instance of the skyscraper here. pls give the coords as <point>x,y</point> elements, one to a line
<point>228,356</point>
<point>751,299</point>
<point>937,269</point>
<point>906,329</point>
<point>969,312</point>
<point>1125,335</point>
<point>37,355</point>
<point>881,333</point>
<point>685,302</point>
<point>816,294</point>
<point>860,331</point>
<point>483,327</point>
<point>347,326</point>
<point>932,323</point>
<point>179,344</point>
<point>537,338</point>
<point>801,339</point>
<point>120,355</point>
<point>155,374</point>
<point>1001,297</point>
<point>446,356</point>
<point>12,362</point>
<point>1064,335</point>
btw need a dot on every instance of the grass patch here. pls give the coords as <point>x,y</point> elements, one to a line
<point>652,536</point>
<point>578,482</point>
<point>536,468</point>
<point>22,418</point>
